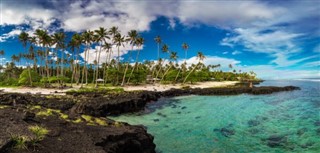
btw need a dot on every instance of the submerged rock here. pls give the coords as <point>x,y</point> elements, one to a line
<point>252,123</point>
<point>225,131</point>
<point>276,141</point>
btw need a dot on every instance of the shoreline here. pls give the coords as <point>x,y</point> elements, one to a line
<point>146,87</point>
<point>87,112</point>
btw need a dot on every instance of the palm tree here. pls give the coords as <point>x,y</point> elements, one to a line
<point>1,53</point>
<point>200,57</point>
<point>87,38</point>
<point>173,56</point>
<point>58,39</point>
<point>139,43</point>
<point>118,41</point>
<point>101,36</point>
<point>165,49</point>
<point>106,46</point>
<point>132,38</point>
<point>185,47</point>
<point>77,41</point>
<point>157,39</point>
<point>24,38</point>
<point>45,41</point>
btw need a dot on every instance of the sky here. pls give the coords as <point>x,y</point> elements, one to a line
<point>275,39</point>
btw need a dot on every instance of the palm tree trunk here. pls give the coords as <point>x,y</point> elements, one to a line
<point>165,73</point>
<point>134,67</point>
<point>175,80</point>
<point>127,65</point>
<point>185,79</point>
<point>97,71</point>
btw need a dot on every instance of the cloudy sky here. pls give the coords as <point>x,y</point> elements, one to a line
<point>276,39</point>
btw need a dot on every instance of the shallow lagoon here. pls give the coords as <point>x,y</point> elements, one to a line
<point>280,122</point>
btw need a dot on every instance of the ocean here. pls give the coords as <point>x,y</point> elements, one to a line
<point>284,122</point>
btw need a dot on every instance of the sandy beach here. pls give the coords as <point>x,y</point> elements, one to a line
<point>148,87</point>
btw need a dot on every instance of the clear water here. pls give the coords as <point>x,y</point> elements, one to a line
<point>242,123</point>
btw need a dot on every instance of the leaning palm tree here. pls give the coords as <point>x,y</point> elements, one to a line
<point>165,49</point>
<point>200,57</point>
<point>139,43</point>
<point>173,57</point>
<point>132,38</point>
<point>157,39</point>
<point>101,36</point>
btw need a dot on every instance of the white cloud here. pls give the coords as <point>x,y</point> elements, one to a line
<point>9,35</point>
<point>213,60</point>
<point>236,52</point>
<point>224,52</point>
<point>104,55</point>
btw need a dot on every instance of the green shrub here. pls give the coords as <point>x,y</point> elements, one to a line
<point>24,78</point>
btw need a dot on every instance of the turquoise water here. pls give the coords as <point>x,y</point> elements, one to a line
<point>280,122</point>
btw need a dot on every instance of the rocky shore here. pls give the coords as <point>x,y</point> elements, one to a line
<point>77,123</point>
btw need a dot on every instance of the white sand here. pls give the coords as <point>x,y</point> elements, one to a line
<point>148,87</point>
<point>160,87</point>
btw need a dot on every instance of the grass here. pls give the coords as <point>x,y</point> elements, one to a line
<point>39,132</point>
<point>97,90</point>
<point>19,141</point>
<point>48,112</point>
<point>77,120</point>
<point>3,106</point>
<point>101,121</point>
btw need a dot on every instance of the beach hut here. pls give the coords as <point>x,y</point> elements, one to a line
<point>100,80</point>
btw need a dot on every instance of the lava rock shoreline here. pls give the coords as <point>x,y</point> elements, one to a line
<point>88,138</point>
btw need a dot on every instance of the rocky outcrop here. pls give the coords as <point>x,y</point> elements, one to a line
<point>66,136</point>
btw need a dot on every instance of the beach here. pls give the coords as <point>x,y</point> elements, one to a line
<point>147,87</point>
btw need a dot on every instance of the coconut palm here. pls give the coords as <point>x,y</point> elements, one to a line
<point>87,38</point>
<point>101,36</point>
<point>185,47</point>
<point>139,43</point>
<point>58,40</point>
<point>200,57</point>
<point>107,47</point>
<point>24,38</point>
<point>157,39</point>
<point>132,37</point>
<point>173,57</point>
<point>118,40</point>
<point>1,53</point>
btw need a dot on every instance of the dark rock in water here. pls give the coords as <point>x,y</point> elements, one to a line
<point>197,117</point>
<point>184,107</point>
<point>276,141</point>
<point>156,120</point>
<point>225,131</point>
<point>307,145</point>
<point>318,131</point>
<point>252,123</point>
<point>302,131</point>
<point>254,131</point>
<point>317,123</point>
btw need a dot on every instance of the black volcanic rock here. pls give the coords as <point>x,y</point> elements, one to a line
<point>73,137</point>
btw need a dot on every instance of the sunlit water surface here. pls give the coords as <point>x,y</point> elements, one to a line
<point>280,122</point>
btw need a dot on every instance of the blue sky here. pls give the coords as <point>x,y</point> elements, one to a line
<point>276,39</point>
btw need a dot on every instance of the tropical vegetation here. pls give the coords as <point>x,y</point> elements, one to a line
<point>60,59</point>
